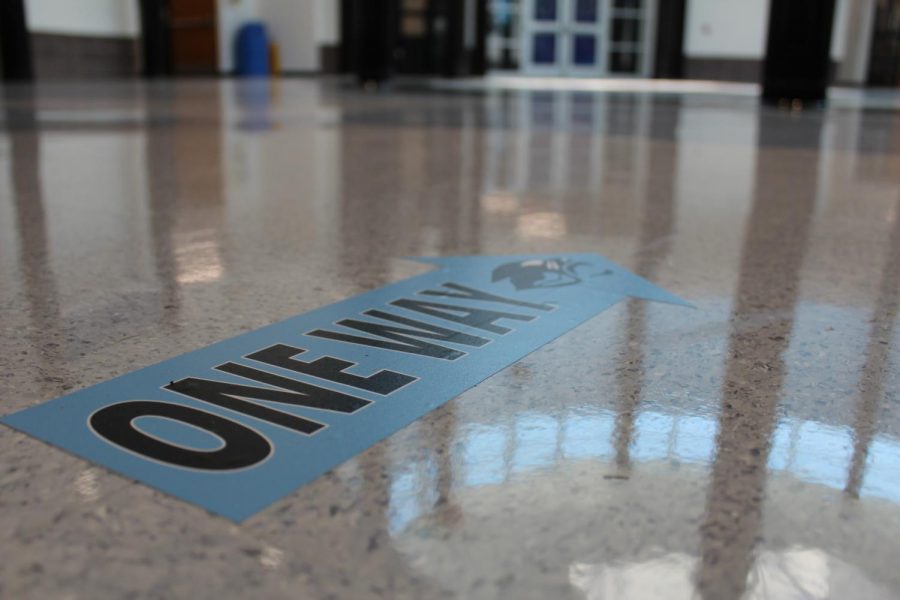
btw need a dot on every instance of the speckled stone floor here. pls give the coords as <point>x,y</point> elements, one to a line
<point>747,448</point>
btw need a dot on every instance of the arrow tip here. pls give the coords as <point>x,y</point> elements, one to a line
<point>599,273</point>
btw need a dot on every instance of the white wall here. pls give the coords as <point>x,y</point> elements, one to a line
<point>726,28</point>
<point>839,30</point>
<point>857,38</point>
<point>292,25</point>
<point>328,21</point>
<point>107,18</point>
<point>231,14</point>
<point>738,29</point>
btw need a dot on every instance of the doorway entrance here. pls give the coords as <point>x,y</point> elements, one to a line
<point>179,37</point>
<point>884,60</point>
<point>586,38</point>
<point>194,44</point>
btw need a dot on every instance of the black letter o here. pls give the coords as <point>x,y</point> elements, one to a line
<point>243,446</point>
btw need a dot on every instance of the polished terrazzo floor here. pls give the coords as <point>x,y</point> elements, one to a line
<point>749,447</point>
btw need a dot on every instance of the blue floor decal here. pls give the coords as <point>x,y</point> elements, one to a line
<point>239,424</point>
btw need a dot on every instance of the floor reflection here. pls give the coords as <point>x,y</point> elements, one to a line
<point>559,164</point>
<point>493,454</point>
<point>185,194</point>
<point>867,445</point>
<point>432,207</point>
<point>37,276</point>
<point>751,439</point>
<point>653,247</point>
<point>762,320</point>
<point>797,572</point>
<point>89,182</point>
<point>647,452</point>
<point>160,163</point>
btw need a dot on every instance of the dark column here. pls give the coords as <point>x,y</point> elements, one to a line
<point>373,28</point>
<point>884,57</point>
<point>455,50</point>
<point>15,42</point>
<point>155,40</point>
<point>348,41</point>
<point>798,57</point>
<point>478,63</point>
<point>669,62</point>
<point>458,60</point>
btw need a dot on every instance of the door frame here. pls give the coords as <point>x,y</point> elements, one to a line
<point>565,27</point>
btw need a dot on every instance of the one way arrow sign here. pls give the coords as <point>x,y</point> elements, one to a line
<point>237,425</point>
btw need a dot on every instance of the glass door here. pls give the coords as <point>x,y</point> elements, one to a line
<point>562,37</point>
<point>585,42</point>
<point>628,33</point>
<point>585,38</point>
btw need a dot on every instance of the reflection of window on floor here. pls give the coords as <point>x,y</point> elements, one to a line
<point>537,144</point>
<point>654,437</point>
<point>536,440</point>
<point>882,477</point>
<point>812,451</point>
<point>483,452</point>
<point>588,437</point>
<point>413,492</point>
<point>489,454</point>
<point>694,439</point>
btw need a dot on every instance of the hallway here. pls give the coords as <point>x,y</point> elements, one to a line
<point>750,445</point>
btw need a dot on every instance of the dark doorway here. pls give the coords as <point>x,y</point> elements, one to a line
<point>669,63</point>
<point>424,37</point>
<point>180,37</point>
<point>195,49</point>
<point>419,36</point>
<point>884,61</point>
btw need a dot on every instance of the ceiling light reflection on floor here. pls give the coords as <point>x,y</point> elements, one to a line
<point>198,262</point>
<point>542,226</point>
<point>500,202</point>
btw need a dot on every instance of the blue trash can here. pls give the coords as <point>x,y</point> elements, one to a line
<point>252,50</point>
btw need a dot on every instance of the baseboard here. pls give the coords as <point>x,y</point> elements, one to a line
<point>58,56</point>
<point>723,69</point>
